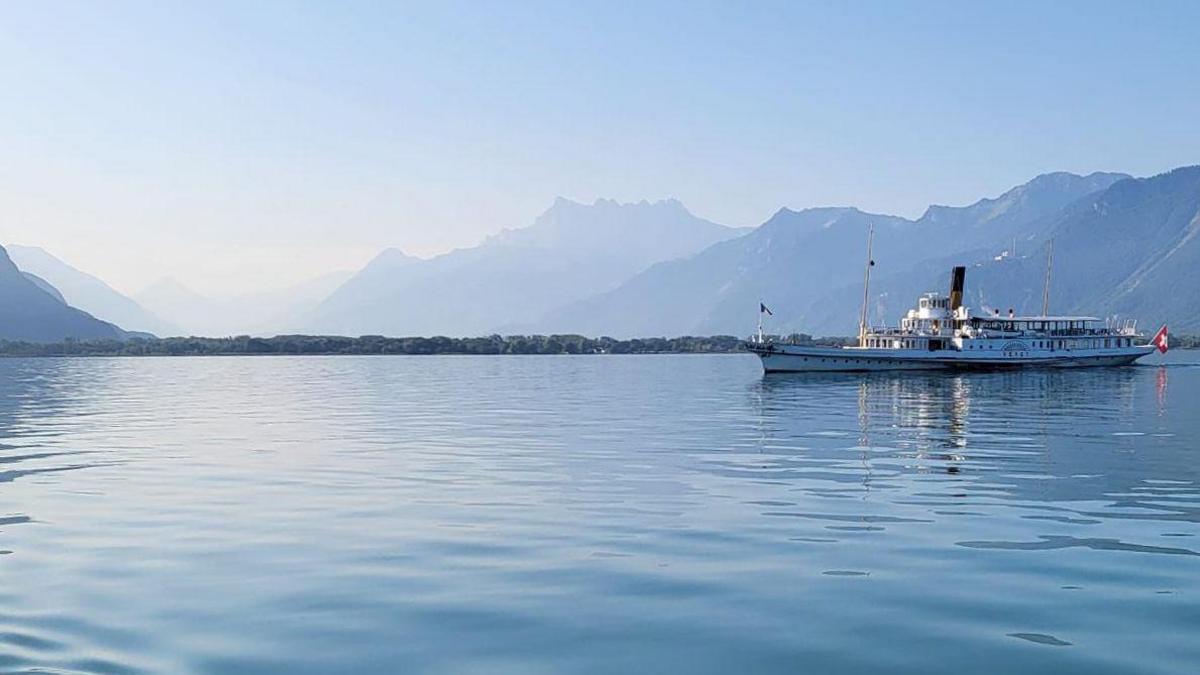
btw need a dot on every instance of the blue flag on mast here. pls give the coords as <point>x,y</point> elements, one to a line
<point>763,309</point>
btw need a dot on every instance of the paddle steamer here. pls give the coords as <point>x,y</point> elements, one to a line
<point>941,333</point>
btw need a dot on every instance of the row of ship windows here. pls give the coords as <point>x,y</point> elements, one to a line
<point>892,344</point>
<point>1037,344</point>
<point>889,344</point>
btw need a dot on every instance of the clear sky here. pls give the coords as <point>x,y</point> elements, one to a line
<point>255,144</point>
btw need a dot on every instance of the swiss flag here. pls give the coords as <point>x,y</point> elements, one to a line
<point>1160,340</point>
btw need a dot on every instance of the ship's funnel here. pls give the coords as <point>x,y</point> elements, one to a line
<point>957,277</point>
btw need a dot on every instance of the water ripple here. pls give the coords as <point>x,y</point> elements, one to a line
<point>593,514</point>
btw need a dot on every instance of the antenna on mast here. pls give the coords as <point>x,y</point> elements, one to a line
<point>1046,288</point>
<point>862,320</point>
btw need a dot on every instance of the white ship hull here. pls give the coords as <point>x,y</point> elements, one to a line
<point>794,358</point>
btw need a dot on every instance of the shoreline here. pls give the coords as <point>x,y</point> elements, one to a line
<point>321,345</point>
<point>495,345</point>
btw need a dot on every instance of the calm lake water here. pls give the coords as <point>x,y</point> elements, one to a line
<point>595,514</point>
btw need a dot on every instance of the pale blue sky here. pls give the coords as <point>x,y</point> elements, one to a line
<point>258,143</point>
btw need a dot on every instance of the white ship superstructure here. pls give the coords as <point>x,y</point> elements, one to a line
<point>940,332</point>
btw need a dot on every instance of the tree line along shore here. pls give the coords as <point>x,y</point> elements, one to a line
<point>375,345</point>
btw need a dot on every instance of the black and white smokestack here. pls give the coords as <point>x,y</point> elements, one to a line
<point>957,278</point>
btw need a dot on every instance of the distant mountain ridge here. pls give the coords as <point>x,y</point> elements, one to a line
<point>45,286</point>
<point>797,258</point>
<point>31,313</point>
<point>1121,246</point>
<point>259,313</point>
<point>571,251</point>
<point>89,293</point>
<point>1131,250</point>
<point>1008,213</point>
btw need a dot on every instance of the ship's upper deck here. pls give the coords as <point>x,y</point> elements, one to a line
<point>1054,326</point>
<point>1055,319</point>
<point>935,316</point>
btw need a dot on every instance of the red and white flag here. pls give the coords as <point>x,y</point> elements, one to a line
<point>1160,340</point>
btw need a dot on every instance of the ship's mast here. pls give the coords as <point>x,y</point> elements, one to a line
<point>1046,288</point>
<point>862,320</point>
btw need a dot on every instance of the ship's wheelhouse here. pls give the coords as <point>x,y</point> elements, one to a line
<point>931,316</point>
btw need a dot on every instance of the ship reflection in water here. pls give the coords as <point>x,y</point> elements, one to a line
<point>1047,434</point>
<point>1026,485</point>
<point>595,514</point>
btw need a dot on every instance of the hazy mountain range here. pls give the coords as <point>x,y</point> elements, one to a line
<point>795,260</point>
<point>82,290</point>
<point>1130,250</point>
<point>572,251</point>
<point>31,312</point>
<point>260,313</point>
<point>1121,245</point>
